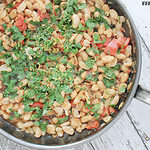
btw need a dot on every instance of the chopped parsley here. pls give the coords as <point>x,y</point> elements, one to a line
<point>62,120</point>
<point>122,89</point>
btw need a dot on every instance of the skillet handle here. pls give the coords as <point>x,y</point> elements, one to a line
<point>143,95</point>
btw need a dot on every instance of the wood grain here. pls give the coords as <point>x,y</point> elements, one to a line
<point>121,136</point>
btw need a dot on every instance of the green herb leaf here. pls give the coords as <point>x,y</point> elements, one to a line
<point>10,5</point>
<point>122,89</point>
<point>100,11</point>
<point>91,23</point>
<point>82,6</point>
<point>11,118</point>
<point>59,98</point>
<point>95,108</point>
<point>5,26</point>
<point>16,114</point>
<point>50,6</point>
<point>90,62</point>
<point>62,120</point>
<point>81,27</point>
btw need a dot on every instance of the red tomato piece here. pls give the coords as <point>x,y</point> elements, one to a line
<point>37,104</point>
<point>72,103</point>
<point>123,42</point>
<point>20,23</point>
<point>111,110</point>
<point>81,43</point>
<point>129,71</point>
<point>92,125</point>
<point>105,113</point>
<point>1,28</point>
<point>43,15</point>
<point>83,22</point>
<point>46,117</point>
<point>63,116</point>
<point>112,47</point>
<point>107,41</point>
<point>25,69</point>
<point>99,45</point>
<point>22,42</point>
<point>127,42</point>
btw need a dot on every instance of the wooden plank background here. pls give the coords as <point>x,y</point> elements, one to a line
<point>132,131</point>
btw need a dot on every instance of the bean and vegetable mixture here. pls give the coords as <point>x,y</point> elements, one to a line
<point>64,65</point>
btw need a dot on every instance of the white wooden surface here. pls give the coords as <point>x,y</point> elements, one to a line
<point>132,131</point>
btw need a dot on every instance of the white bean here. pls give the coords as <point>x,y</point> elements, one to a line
<point>21,7</point>
<point>75,21</point>
<point>69,130</point>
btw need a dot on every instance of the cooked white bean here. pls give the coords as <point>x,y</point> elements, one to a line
<point>37,131</point>
<point>107,59</point>
<point>108,93</point>
<point>86,43</point>
<point>75,21</point>
<point>78,38</point>
<point>124,78</point>
<point>28,124</point>
<point>75,122</point>
<point>69,130</point>
<point>51,129</point>
<point>83,65</point>
<point>86,118</point>
<point>115,100</point>
<point>5,101</point>
<point>86,36</point>
<point>95,87</point>
<point>13,13</point>
<point>101,86</point>
<point>21,7</point>
<point>114,14</point>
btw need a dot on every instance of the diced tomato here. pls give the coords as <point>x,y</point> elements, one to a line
<point>99,45</point>
<point>83,22</point>
<point>129,71</point>
<point>37,104</point>
<point>72,103</point>
<point>111,110</point>
<point>25,69</point>
<point>63,116</point>
<point>92,125</point>
<point>43,15</point>
<point>105,113</point>
<point>1,28</point>
<point>81,43</point>
<point>127,42</point>
<point>107,41</point>
<point>20,23</point>
<point>22,42</point>
<point>46,117</point>
<point>112,47</point>
<point>123,42</point>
